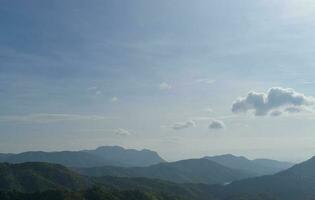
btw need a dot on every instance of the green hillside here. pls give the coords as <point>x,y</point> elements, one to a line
<point>36,177</point>
<point>90,194</point>
<point>30,177</point>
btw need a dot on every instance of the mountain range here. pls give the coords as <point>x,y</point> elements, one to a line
<point>256,166</point>
<point>40,177</point>
<point>106,155</point>
<point>184,171</point>
<point>295,183</point>
<point>119,157</point>
<point>118,173</point>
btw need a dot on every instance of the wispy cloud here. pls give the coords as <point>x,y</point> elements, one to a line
<point>309,82</point>
<point>205,118</point>
<point>183,125</point>
<point>206,81</point>
<point>92,88</point>
<point>98,92</point>
<point>165,86</point>
<point>122,132</point>
<point>114,99</point>
<point>49,118</point>
<point>95,90</point>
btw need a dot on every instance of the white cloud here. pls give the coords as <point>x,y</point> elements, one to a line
<point>49,118</point>
<point>183,125</point>
<point>114,99</point>
<point>217,124</point>
<point>95,90</point>
<point>122,132</point>
<point>98,92</point>
<point>165,86</point>
<point>276,98</point>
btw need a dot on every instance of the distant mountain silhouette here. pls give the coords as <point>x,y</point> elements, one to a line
<point>31,177</point>
<point>295,183</point>
<point>257,166</point>
<point>127,157</point>
<point>111,155</point>
<point>184,171</point>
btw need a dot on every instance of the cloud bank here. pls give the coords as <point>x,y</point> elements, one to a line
<point>275,101</point>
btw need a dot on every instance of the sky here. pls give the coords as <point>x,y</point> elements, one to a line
<point>184,78</point>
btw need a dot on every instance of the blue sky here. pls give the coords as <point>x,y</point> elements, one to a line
<point>155,74</point>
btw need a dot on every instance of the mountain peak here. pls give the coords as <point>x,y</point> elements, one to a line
<point>110,148</point>
<point>231,156</point>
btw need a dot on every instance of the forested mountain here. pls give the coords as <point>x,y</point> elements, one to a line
<point>89,194</point>
<point>35,177</point>
<point>30,177</point>
<point>296,183</point>
<point>111,155</point>
<point>102,194</point>
<point>257,166</point>
<point>186,191</point>
<point>184,171</point>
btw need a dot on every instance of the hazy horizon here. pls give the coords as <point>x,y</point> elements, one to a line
<point>184,78</point>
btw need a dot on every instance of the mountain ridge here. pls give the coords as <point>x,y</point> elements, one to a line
<point>256,166</point>
<point>295,183</point>
<point>101,156</point>
<point>184,171</point>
